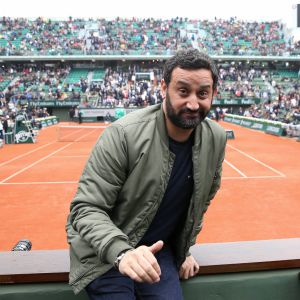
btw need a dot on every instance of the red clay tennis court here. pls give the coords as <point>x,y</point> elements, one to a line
<point>259,198</point>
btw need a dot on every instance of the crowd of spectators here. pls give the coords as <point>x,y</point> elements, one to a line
<point>40,82</point>
<point>122,89</point>
<point>20,82</point>
<point>238,37</point>
<point>277,97</point>
<point>22,36</point>
<point>144,36</point>
<point>286,109</point>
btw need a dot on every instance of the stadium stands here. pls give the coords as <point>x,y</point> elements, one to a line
<point>143,36</point>
<point>257,87</point>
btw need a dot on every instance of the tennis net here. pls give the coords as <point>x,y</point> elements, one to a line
<point>69,133</point>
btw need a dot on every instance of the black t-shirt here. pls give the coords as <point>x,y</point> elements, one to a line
<point>173,209</point>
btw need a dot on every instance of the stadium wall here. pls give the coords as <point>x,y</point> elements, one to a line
<point>61,113</point>
<point>257,270</point>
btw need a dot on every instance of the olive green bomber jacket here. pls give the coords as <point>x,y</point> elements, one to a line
<point>123,184</point>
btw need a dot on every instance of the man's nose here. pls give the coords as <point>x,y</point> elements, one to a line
<point>193,104</point>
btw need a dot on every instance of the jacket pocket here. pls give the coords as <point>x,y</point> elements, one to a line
<point>82,256</point>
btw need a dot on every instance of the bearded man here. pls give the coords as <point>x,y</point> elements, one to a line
<point>145,188</point>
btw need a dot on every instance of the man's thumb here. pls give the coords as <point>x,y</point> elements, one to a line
<point>156,246</point>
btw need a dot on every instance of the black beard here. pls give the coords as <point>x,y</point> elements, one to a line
<point>179,120</point>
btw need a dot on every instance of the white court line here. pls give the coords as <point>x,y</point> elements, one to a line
<point>77,130</point>
<point>83,127</point>
<point>258,161</point>
<point>33,164</point>
<point>253,177</point>
<point>66,156</point>
<point>71,133</point>
<point>83,136</point>
<point>24,154</point>
<point>38,161</point>
<point>235,168</point>
<point>38,182</point>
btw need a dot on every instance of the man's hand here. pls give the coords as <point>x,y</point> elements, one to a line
<point>141,265</point>
<point>189,268</point>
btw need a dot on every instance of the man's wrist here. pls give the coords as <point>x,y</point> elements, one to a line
<point>119,258</point>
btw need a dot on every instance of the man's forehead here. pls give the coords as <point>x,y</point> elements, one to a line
<point>186,73</point>
<point>202,77</point>
<point>204,84</point>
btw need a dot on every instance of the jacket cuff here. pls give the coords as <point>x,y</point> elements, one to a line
<point>114,249</point>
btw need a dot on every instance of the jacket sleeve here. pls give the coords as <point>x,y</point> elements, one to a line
<point>99,185</point>
<point>217,178</point>
<point>213,191</point>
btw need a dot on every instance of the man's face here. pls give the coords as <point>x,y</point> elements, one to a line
<point>188,97</point>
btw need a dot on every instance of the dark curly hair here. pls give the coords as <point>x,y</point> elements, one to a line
<point>191,59</point>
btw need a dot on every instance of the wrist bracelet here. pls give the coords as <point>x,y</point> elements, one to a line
<point>118,259</point>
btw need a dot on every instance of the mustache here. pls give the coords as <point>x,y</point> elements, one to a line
<point>187,110</point>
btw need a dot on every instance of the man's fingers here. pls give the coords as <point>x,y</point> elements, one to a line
<point>156,247</point>
<point>139,270</point>
<point>136,272</point>
<point>133,275</point>
<point>181,273</point>
<point>153,262</point>
<point>191,273</point>
<point>147,270</point>
<point>140,265</point>
<point>196,269</point>
<point>189,268</point>
<point>186,274</point>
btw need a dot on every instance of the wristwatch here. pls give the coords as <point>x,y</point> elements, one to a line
<point>118,259</point>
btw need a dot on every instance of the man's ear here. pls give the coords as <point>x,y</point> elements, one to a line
<point>163,88</point>
<point>215,92</point>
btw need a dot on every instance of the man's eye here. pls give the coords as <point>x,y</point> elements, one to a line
<point>183,91</point>
<point>203,93</point>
